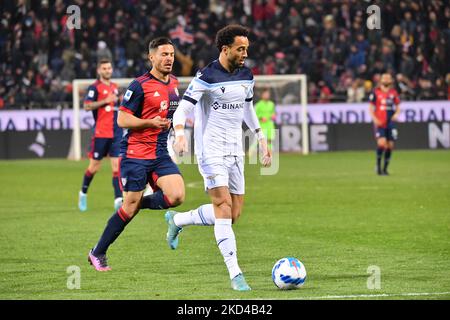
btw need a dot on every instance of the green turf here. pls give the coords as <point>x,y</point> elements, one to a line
<point>330,210</point>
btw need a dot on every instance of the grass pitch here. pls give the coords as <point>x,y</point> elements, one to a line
<point>329,210</point>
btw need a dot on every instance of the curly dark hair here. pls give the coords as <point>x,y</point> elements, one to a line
<point>225,36</point>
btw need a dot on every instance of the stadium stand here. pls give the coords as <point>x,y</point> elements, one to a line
<point>327,40</point>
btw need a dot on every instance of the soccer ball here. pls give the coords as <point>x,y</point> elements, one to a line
<point>288,273</point>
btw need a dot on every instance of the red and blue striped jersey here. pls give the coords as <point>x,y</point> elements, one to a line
<point>385,104</point>
<point>106,116</point>
<point>146,98</point>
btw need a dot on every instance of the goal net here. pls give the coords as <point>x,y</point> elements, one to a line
<point>285,90</point>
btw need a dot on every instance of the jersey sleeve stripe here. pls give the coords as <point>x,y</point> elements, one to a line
<point>200,82</point>
<point>123,108</point>
<point>249,99</point>
<point>223,83</point>
<point>191,100</point>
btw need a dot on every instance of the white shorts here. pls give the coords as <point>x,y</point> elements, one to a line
<point>227,171</point>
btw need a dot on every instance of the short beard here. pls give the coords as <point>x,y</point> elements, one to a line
<point>234,64</point>
<point>163,72</point>
<point>106,78</point>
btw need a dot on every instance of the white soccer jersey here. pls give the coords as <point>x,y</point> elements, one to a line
<point>220,100</point>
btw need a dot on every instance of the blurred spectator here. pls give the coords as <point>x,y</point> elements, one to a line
<point>326,40</point>
<point>355,91</point>
<point>405,87</point>
<point>425,89</point>
<point>368,88</point>
<point>356,58</point>
<point>448,86</point>
<point>441,89</point>
<point>325,94</point>
<point>407,66</point>
<point>103,51</point>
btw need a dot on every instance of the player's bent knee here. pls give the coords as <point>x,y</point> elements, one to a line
<point>94,168</point>
<point>382,143</point>
<point>224,203</point>
<point>131,206</point>
<point>175,198</point>
<point>224,210</point>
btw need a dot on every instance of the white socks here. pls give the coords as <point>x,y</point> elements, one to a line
<point>202,216</point>
<point>225,239</point>
<point>227,245</point>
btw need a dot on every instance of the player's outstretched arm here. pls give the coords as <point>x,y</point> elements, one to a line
<point>128,121</point>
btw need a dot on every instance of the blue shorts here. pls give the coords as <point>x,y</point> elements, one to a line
<point>390,133</point>
<point>136,173</point>
<point>101,147</point>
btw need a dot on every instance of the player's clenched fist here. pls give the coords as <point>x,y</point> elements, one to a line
<point>111,98</point>
<point>159,123</point>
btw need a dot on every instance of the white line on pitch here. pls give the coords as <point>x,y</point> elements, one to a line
<point>195,184</point>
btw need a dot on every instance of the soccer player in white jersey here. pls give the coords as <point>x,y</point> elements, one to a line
<point>221,97</point>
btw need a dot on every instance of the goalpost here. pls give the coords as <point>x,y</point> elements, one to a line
<point>285,90</point>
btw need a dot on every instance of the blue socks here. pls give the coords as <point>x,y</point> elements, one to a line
<point>155,201</point>
<point>116,185</point>
<point>387,158</point>
<point>88,176</point>
<point>380,152</point>
<point>116,224</point>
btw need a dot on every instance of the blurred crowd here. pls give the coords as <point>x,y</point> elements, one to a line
<point>40,54</point>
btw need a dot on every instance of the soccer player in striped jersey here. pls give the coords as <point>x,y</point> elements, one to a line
<point>221,96</point>
<point>101,99</point>
<point>384,110</point>
<point>145,114</point>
